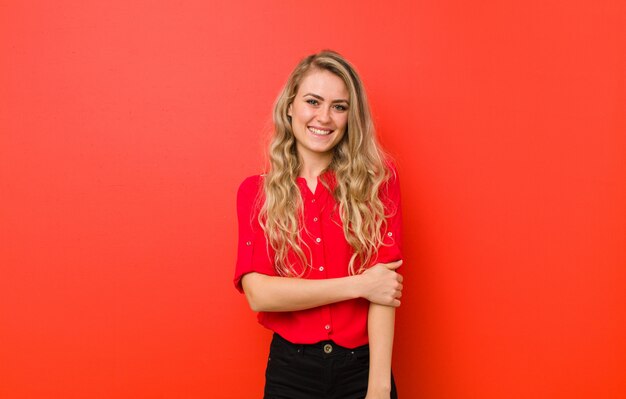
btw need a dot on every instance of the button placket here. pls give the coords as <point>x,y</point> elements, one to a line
<point>326,310</point>
<point>314,208</point>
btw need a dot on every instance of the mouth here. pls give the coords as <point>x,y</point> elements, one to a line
<point>319,131</point>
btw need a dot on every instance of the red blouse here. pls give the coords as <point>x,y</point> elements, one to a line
<point>344,322</point>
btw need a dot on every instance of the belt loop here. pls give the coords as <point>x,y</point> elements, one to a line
<point>300,350</point>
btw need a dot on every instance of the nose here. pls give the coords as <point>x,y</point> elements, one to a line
<point>323,114</point>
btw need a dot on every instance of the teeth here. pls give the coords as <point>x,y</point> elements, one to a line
<point>320,132</point>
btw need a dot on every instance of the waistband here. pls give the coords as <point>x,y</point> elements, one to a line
<point>323,349</point>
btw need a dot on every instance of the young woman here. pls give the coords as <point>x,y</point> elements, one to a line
<point>319,240</point>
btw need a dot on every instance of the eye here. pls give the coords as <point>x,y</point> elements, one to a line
<point>340,107</point>
<point>312,101</point>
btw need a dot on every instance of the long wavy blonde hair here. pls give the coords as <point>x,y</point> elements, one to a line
<point>359,165</point>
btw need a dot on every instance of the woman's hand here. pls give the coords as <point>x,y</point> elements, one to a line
<point>382,285</point>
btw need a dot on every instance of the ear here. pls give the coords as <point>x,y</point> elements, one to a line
<point>289,109</point>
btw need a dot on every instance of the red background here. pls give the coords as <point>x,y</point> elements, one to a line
<point>126,128</point>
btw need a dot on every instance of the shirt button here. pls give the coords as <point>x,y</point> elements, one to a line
<point>318,240</point>
<point>327,327</point>
<point>390,234</point>
<point>321,268</point>
<point>315,219</point>
<point>313,200</point>
<point>248,243</point>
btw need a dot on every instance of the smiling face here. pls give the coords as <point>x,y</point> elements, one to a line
<point>319,115</point>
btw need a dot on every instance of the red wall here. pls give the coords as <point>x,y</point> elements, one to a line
<point>126,128</point>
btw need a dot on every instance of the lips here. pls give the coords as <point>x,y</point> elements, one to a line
<point>319,131</point>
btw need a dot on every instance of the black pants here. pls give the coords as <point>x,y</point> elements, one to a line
<point>319,371</point>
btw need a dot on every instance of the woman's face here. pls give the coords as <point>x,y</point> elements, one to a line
<point>319,114</point>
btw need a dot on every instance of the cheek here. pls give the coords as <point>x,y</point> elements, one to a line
<point>343,122</point>
<point>343,134</point>
<point>301,113</point>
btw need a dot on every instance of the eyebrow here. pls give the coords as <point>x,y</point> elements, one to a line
<point>322,98</point>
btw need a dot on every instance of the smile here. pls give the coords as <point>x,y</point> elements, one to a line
<point>320,132</point>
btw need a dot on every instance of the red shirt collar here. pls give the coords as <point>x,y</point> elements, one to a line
<point>328,177</point>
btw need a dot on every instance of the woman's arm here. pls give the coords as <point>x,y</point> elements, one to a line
<point>380,328</point>
<point>379,284</point>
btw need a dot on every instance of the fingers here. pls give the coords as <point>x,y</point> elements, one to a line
<point>393,265</point>
<point>385,284</point>
<point>398,293</point>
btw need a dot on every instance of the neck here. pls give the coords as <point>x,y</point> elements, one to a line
<point>312,167</point>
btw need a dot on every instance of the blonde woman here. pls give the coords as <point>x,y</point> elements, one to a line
<point>319,240</point>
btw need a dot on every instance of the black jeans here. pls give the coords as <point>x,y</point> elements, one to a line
<point>319,371</point>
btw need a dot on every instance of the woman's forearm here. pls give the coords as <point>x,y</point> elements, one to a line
<point>284,294</point>
<point>379,284</point>
<point>380,328</point>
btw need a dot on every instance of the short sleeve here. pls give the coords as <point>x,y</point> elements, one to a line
<point>253,254</point>
<point>391,250</point>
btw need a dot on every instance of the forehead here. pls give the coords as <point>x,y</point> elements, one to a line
<point>323,83</point>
